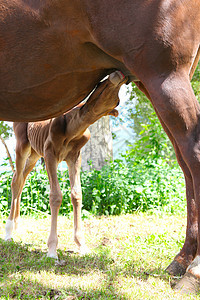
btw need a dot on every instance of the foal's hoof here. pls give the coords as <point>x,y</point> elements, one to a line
<point>189,284</point>
<point>52,255</point>
<point>176,269</point>
<point>8,239</point>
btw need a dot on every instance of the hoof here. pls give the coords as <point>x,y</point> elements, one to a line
<point>52,255</point>
<point>189,284</point>
<point>8,239</point>
<point>176,269</point>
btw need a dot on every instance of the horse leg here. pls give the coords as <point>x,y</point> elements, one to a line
<point>173,97</point>
<point>177,106</point>
<point>55,199</point>
<point>24,164</point>
<point>74,165</point>
<point>188,251</point>
<point>16,188</point>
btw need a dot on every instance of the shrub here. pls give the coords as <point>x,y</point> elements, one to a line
<point>122,186</point>
<point>131,186</point>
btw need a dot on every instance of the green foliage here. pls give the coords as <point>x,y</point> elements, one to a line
<point>152,142</point>
<point>196,83</point>
<point>145,180</point>
<point>35,195</point>
<point>139,184</point>
<point>5,191</point>
<point>139,109</point>
<point>5,130</point>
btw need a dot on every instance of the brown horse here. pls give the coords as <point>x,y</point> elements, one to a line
<point>54,52</point>
<point>60,139</point>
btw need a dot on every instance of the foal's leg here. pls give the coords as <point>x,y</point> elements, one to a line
<point>22,152</point>
<point>73,160</point>
<point>24,164</point>
<point>74,165</point>
<point>55,199</point>
<point>188,251</point>
<point>29,165</point>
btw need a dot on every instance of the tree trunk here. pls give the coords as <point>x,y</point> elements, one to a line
<point>99,148</point>
<point>8,153</point>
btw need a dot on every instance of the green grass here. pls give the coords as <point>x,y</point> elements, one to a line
<point>128,259</point>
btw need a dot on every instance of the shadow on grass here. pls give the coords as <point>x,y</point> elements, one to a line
<point>16,258</point>
<point>142,269</point>
<point>27,289</point>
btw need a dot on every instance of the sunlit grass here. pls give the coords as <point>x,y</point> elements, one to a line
<point>128,259</point>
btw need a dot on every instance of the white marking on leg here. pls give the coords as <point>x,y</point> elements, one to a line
<point>52,254</point>
<point>9,229</point>
<point>194,267</point>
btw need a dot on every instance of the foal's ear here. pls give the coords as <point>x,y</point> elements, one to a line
<point>114,113</point>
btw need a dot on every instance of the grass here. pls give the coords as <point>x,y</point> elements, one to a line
<point>128,258</point>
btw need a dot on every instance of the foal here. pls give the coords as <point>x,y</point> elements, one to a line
<point>60,139</point>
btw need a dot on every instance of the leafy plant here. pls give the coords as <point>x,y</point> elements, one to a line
<point>139,183</point>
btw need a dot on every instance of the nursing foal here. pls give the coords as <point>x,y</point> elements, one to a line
<point>60,139</point>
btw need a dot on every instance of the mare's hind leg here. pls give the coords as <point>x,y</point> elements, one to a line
<point>188,251</point>
<point>25,161</point>
<point>177,106</point>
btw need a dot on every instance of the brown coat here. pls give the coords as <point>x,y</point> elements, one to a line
<point>60,139</point>
<point>54,52</point>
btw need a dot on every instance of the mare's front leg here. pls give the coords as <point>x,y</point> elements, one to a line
<point>74,165</point>
<point>55,199</point>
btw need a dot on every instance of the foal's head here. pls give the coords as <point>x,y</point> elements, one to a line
<point>105,98</point>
